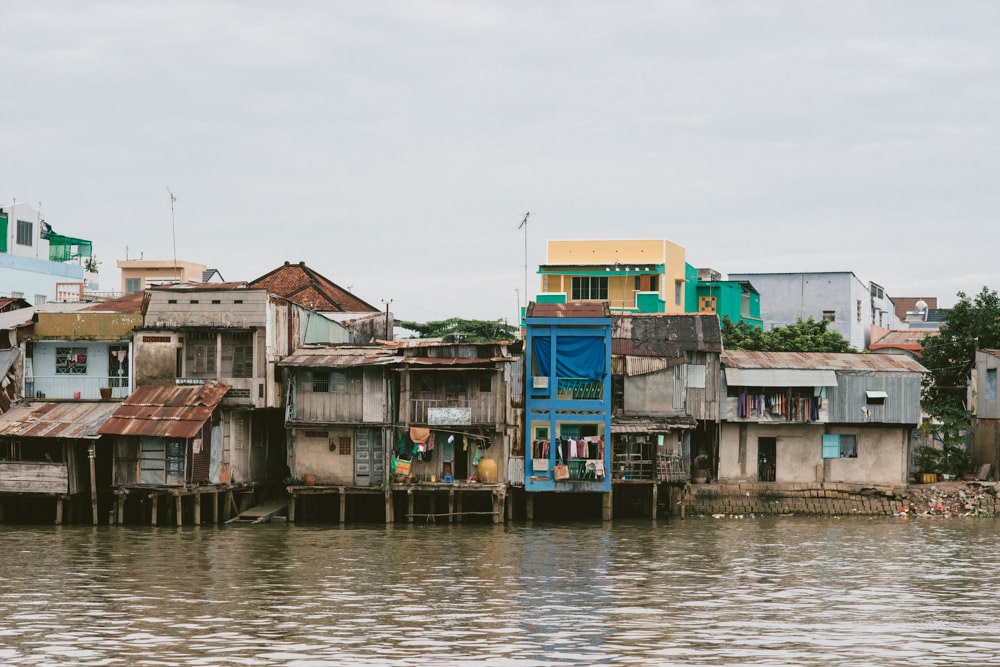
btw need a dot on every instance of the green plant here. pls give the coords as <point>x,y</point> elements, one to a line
<point>928,459</point>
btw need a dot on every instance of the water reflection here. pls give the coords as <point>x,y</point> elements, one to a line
<point>699,591</point>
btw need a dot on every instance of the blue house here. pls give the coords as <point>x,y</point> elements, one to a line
<point>568,398</point>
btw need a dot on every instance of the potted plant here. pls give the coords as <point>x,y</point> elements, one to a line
<point>927,461</point>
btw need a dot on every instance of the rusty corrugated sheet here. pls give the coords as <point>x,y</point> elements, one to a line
<point>51,419</point>
<point>177,412</point>
<point>624,425</point>
<point>821,360</point>
<point>340,357</point>
<point>661,335</point>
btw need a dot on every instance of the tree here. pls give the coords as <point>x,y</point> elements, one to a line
<point>807,336</point>
<point>972,324</point>
<point>456,329</point>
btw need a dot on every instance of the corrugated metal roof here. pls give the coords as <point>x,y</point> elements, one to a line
<point>643,365</point>
<point>573,309</point>
<point>176,412</point>
<point>907,339</point>
<point>340,357</point>
<point>660,335</point>
<point>780,377</point>
<point>51,419</point>
<point>821,360</point>
<point>14,319</point>
<point>651,425</point>
<point>136,302</point>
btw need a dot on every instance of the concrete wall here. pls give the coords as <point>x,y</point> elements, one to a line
<point>312,455</point>
<point>882,453</point>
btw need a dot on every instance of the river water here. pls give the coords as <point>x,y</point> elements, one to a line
<point>795,591</point>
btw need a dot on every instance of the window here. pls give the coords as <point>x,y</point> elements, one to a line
<point>71,361</point>
<point>485,384</point>
<point>837,446</point>
<point>24,233</point>
<point>874,397</point>
<point>991,385</point>
<point>344,445</point>
<point>745,304</point>
<point>199,354</point>
<point>118,366</point>
<point>830,315</point>
<point>859,310</point>
<point>334,382</point>
<point>706,304</point>
<point>237,354</point>
<point>590,288</point>
<point>678,292</point>
<point>426,383</point>
<point>133,285</point>
<point>455,383</point>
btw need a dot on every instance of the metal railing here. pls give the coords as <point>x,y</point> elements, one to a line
<point>87,387</point>
<point>483,410</point>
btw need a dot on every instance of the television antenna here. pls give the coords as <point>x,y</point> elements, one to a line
<point>173,228</point>
<point>524,225</point>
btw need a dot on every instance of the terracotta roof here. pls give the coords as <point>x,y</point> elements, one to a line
<point>309,289</point>
<point>821,361</point>
<point>175,412</point>
<point>908,304</point>
<point>572,309</point>
<point>50,419</point>
<point>136,302</point>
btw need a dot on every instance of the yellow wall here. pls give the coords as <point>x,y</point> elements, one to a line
<point>160,269</point>
<point>623,252</point>
<point>87,326</point>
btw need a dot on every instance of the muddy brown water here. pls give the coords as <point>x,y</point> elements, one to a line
<point>766,591</point>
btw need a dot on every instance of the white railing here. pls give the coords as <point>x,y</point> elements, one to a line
<point>87,387</point>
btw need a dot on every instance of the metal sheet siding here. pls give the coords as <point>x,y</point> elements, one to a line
<point>780,377</point>
<point>849,404</point>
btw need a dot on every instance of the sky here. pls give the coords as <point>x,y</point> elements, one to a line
<point>395,147</point>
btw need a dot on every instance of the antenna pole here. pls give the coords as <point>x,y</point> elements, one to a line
<point>524,225</point>
<point>173,230</point>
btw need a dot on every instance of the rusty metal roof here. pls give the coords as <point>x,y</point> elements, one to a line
<point>175,412</point>
<point>662,335</point>
<point>651,424</point>
<point>56,419</point>
<point>905,339</point>
<point>821,360</point>
<point>136,302</point>
<point>341,357</point>
<point>572,309</point>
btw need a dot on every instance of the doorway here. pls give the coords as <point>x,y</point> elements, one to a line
<point>766,459</point>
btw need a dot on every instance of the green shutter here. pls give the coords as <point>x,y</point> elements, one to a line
<point>831,446</point>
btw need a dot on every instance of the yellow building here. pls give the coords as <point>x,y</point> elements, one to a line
<point>138,274</point>
<point>641,276</point>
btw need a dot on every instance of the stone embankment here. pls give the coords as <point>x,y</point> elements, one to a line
<point>952,499</point>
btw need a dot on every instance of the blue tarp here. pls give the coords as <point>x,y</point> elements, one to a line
<point>576,356</point>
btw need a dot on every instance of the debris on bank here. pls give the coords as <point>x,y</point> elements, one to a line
<point>951,499</point>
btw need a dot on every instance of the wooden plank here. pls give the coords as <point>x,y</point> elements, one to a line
<point>33,477</point>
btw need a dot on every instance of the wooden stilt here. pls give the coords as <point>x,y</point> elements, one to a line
<point>91,454</point>
<point>409,504</point>
<point>451,505</point>
<point>529,506</point>
<point>655,492</point>
<point>121,509</point>
<point>343,505</point>
<point>389,518</point>
<point>607,506</point>
<point>197,509</point>
<point>496,506</point>
<point>215,507</point>
<point>155,498</point>
<point>291,507</point>
<point>459,503</point>
<point>59,511</point>
<point>179,509</point>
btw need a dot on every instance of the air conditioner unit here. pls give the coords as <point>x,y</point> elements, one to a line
<point>540,382</point>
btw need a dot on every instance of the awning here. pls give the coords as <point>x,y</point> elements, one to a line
<point>172,412</point>
<point>780,377</point>
<point>65,419</point>
<point>876,394</point>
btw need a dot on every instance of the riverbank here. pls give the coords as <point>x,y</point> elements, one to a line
<point>958,499</point>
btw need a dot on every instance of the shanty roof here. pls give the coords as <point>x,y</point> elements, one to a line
<point>13,303</point>
<point>14,319</point>
<point>136,302</point>
<point>51,419</point>
<point>174,412</point>
<point>572,309</point>
<point>821,361</point>
<point>650,424</point>
<point>659,335</point>
<point>199,287</point>
<point>346,356</point>
<point>309,289</point>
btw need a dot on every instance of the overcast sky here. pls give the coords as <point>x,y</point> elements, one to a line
<point>396,146</point>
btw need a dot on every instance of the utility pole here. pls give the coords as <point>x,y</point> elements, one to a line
<point>388,335</point>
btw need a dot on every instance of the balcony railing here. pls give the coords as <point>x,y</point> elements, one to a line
<point>76,387</point>
<point>453,411</point>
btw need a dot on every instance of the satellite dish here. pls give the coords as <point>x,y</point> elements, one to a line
<point>921,305</point>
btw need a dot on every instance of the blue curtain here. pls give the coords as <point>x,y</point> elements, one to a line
<point>576,356</point>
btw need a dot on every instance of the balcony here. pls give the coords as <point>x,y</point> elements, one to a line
<point>453,411</point>
<point>85,387</point>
